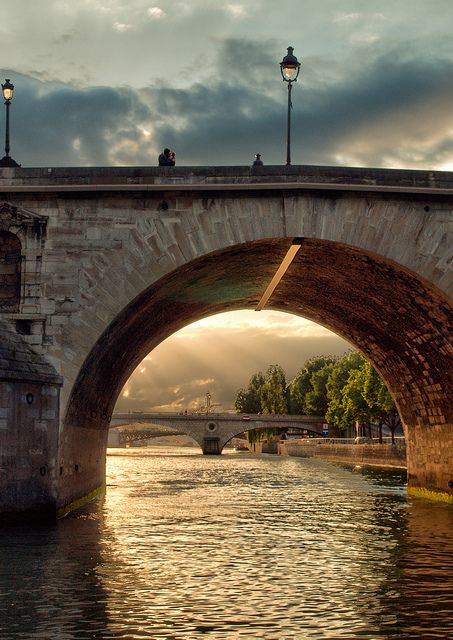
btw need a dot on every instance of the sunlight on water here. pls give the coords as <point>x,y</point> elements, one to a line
<point>237,546</point>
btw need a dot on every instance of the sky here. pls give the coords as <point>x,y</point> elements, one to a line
<point>111,82</point>
<point>219,355</point>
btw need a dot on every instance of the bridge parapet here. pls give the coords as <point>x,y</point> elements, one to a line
<point>195,178</point>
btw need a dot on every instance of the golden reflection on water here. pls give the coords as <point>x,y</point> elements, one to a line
<point>238,546</point>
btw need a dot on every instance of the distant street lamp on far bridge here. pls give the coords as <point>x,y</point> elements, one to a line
<point>289,68</point>
<point>8,89</point>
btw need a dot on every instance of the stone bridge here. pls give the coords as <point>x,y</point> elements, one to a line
<point>99,265</point>
<point>212,431</point>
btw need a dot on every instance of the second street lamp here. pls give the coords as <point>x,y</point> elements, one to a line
<point>8,89</point>
<point>289,68</point>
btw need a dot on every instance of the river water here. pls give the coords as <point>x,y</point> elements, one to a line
<point>237,546</point>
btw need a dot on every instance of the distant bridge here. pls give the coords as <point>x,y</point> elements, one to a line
<point>213,430</point>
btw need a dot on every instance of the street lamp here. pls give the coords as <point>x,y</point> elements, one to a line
<point>289,68</point>
<point>8,89</point>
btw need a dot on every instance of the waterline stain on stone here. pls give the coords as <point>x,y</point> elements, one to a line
<point>427,494</point>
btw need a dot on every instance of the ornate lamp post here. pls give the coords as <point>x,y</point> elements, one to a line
<point>8,89</point>
<point>289,68</point>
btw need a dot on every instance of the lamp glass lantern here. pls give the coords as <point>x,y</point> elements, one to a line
<point>290,66</point>
<point>8,89</point>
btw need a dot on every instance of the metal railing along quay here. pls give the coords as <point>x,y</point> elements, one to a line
<point>360,440</point>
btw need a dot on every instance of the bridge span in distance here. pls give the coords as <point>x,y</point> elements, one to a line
<point>212,431</point>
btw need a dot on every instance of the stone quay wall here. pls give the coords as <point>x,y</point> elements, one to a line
<point>382,455</point>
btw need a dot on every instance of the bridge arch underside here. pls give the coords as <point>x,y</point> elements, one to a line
<point>398,320</point>
<point>300,432</point>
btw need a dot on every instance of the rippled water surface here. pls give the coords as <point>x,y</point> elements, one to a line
<point>238,546</point>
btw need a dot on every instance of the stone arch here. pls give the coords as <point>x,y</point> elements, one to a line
<point>236,432</point>
<point>401,322</point>
<point>10,272</point>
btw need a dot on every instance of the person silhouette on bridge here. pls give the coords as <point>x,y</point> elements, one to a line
<point>167,158</point>
<point>257,162</point>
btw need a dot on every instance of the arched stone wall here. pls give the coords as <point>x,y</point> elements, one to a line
<point>115,251</point>
<point>396,318</point>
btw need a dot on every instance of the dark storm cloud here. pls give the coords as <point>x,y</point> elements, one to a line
<point>391,108</point>
<point>367,112</point>
<point>387,109</point>
<point>57,125</point>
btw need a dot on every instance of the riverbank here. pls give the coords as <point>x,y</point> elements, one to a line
<point>382,455</point>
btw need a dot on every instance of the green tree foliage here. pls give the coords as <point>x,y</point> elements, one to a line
<point>362,398</point>
<point>302,385</point>
<point>354,407</point>
<point>259,435</point>
<point>376,393</point>
<point>264,394</point>
<point>316,400</point>
<point>274,396</point>
<point>248,400</point>
<point>338,379</point>
<point>346,390</point>
<point>379,400</point>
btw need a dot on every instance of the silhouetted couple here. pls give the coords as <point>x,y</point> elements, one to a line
<point>167,158</point>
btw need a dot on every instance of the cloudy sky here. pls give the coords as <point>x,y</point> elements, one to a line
<point>110,82</point>
<point>219,355</point>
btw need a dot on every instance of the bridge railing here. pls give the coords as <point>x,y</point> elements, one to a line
<point>327,440</point>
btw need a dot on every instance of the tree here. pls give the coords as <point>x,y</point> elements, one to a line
<point>248,400</point>
<point>302,384</point>
<point>316,400</point>
<point>380,401</point>
<point>355,408</point>
<point>345,390</point>
<point>274,395</point>
<point>338,379</point>
<point>258,435</point>
<point>363,398</point>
